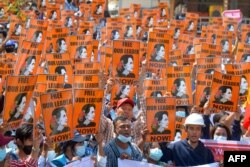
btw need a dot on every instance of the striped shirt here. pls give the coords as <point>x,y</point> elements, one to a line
<point>15,161</point>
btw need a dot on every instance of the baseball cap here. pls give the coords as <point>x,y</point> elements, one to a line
<point>79,138</point>
<point>123,101</point>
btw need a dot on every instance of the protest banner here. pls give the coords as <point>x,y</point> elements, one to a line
<point>231,25</point>
<point>180,132</point>
<point>86,81</point>
<point>219,147</point>
<point>129,163</point>
<point>68,18</point>
<point>5,70</point>
<point>80,46</point>
<point>98,7</point>
<point>225,39</point>
<point>178,26</point>
<point>108,60</point>
<point>143,52</point>
<point>85,10</point>
<point>85,161</point>
<point>224,92</point>
<point>179,84</point>
<point>191,23</point>
<point>91,68</point>
<point>61,64</point>
<point>86,28</point>
<point>129,29</point>
<point>175,58</point>
<point>95,50</point>
<point>15,28</point>
<point>120,91</point>
<point>125,61</point>
<point>158,46</point>
<point>20,88</point>
<point>149,17</point>
<point>87,110</point>
<point>3,14</point>
<point>54,81</point>
<point>37,31</point>
<point>53,11</point>
<point>245,33</point>
<point>57,109</point>
<point>210,50</point>
<point>155,88</point>
<point>29,58</point>
<point>114,29</point>
<point>136,9</point>
<point>209,65</point>
<point>203,89</point>
<point>243,52</point>
<point>163,10</point>
<point>160,119</point>
<point>126,13</point>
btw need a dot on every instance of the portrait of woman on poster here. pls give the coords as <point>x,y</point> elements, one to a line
<point>247,40</point>
<point>178,135</point>
<point>159,53</point>
<point>190,26</point>
<point>59,121</point>
<point>37,37</point>
<point>126,66</point>
<point>81,52</point>
<point>150,21</point>
<point>214,37</point>
<point>123,92</point>
<point>87,116</point>
<point>156,94</point>
<point>224,95</point>
<point>17,112</point>
<point>243,86</point>
<point>43,4</point>
<point>190,50</point>
<point>53,15</point>
<point>225,46</point>
<point>245,58</point>
<point>129,32</point>
<point>179,88</point>
<point>99,9</point>
<point>230,27</point>
<point>163,12</point>
<point>18,29</point>
<point>205,96</point>
<point>62,46</point>
<point>115,35</point>
<point>86,32</point>
<point>177,33</point>
<point>160,123</point>
<point>69,22</point>
<point>138,30</point>
<point>29,66</point>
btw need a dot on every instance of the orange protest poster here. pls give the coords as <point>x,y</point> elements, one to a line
<point>8,57</point>
<point>98,7</point>
<point>155,88</point>
<point>158,46</point>
<point>178,26</point>
<point>179,84</point>
<point>180,132</point>
<point>53,11</point>
<point>61,64</point>
<point>114,29</point>
<point>91,68</point>
<point>245,33</point>
<point>5,70</point>
<point>203,89</point>
<point>225,39</point>
<point>126,13</point>
<point>120,91</point>
<point>216,20</point>
<point>143,52</point>
<point>94,54</point>
<point>37,31</point>
<point>243,52</point>
<point>55,23</point>
<point>108,60</point>
<point>136,8</point>
<point>19,88</point>
<point>87,110</point>
<point>16,27</point>
<point>198,41</point>
<point>86,27</point>
<point>224,92</point>
<point>86,81</point>
<point>125,61</point>
<point>68,18</point>
<point>149,18</point>
<point>3,13</point>
<point>163,10</point>
<point>175,58</point>
<point>203,31</point>
<point>102,51</point>
<point>54,81</point>
<point>86,10</point>
<point>29,58</point>
<point>209,65</point>
<point>210,50</point>
<point>160,119</point>
<point>81,46</point>
<point>191,23</point>
<point>129,27</point>
<point>59,42</point>
<point>57,109</point>
<point>231,24</point>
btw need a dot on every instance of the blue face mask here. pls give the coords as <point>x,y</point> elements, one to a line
<point>2,153</point>
<point>155,154</point>
<point>112,114</point>
<point>80,150</point>
<point>124,139</point>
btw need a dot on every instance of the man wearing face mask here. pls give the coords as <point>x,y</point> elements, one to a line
<point>121,147</point>
<point>4,140</point>
<point>27,148</point>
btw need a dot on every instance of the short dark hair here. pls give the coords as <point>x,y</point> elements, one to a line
<point>119,118</point>
<point>24,132</point>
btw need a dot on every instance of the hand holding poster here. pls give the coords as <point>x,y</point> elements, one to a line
<point>87,110</point>
<point>57,109</point>
<point>160,118</point>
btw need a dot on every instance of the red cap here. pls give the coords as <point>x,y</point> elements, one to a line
<point>123,101</point>
<point>4,139</point>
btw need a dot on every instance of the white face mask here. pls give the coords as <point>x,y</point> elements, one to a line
<point>80,150</point>
<point>2,153</point>
<point>155,154</point>
<point>220,138</point>
<point>124,139</point>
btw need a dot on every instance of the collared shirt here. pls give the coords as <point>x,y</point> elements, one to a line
<point>15,161</point>
<point>182,154</point>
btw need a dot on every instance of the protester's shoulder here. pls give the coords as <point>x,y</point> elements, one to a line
<point>177,144</point>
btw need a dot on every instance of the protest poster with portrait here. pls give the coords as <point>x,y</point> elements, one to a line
<point>126,13</point>
<point>18,94</point>
<point>90,68</point>
<point>149,17</point>
<point>178,26</point>
<point>15,28</point>
<point>125,61</point>
<point>210,50</point>
<point>231,24</point>
<point>53,11</point>
<point>163,10</point>
<point>37,31</point>
<point>243,53</point>
<point>108,60</point>
<point>58,41</point>
<point>160,119</point>
<point>245,33</point>
<point>87,110</point>
<point>5,70</point>
<point>54,82</point>
<point>175,58</point>
<point>54,24</point>
<point>8,57</point>
<point>136,9</point>
<point>120,91</point>
<point>114,28</point>
<point>98,7</point>
<point>29,58</point>
<point>86,81</point>
<point>203,89</point>
<point>80,46</point>
<point>95,50</point>
<point>57,109</point>
<point>179,84</point>
<point>225,39</point>
<point>180,132</point>
<point>155,88</point>
<point>68,18</point>
<point>225,92</point>
<point>143,52</point>
<point>61,64</point>
<point>191,23</point>
<point>3,13</point>
<point>209,65</point>
<point>158,46</point>
<point>86,28</point>
<point>129,29</point>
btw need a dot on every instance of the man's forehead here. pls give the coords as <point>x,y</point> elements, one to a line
<point>123,122</point>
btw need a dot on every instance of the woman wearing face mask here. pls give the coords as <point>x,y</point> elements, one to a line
<point>4,140</point>
<point>220,132</point>
<point>153,153</point>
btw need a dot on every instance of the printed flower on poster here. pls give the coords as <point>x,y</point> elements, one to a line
<point>81,116</point>
<point>155,125</point>
<point>218,94</point>
<point>173,89</point>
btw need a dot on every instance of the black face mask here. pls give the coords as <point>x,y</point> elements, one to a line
<point>27,149</point>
